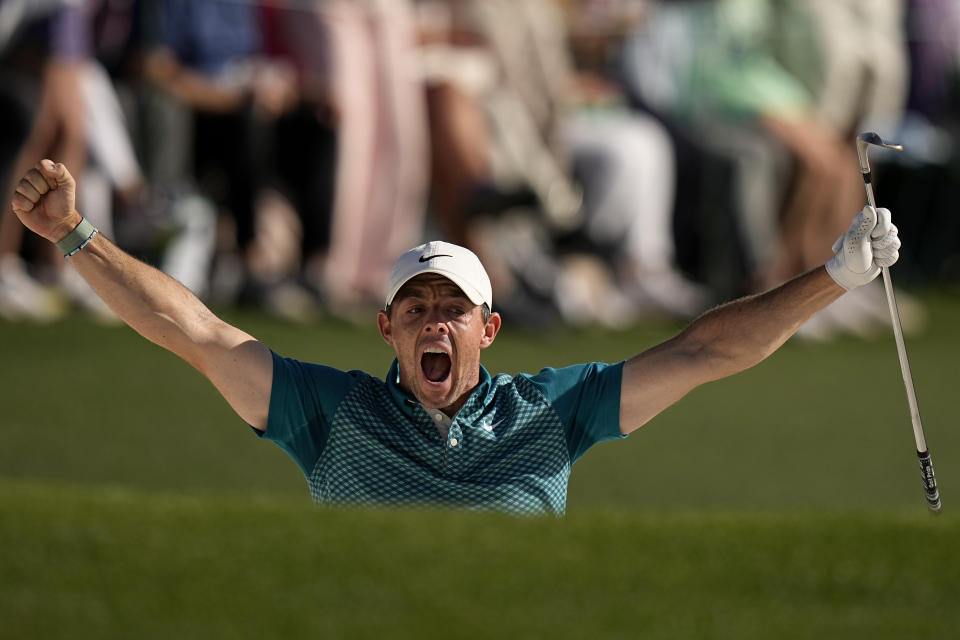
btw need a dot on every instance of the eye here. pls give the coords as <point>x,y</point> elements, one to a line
<point>415,309</point>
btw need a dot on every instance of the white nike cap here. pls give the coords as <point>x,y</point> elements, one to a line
<point>458,264</point>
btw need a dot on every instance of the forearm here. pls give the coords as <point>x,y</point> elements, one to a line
<point>739,334</point>
<point>155,305</point>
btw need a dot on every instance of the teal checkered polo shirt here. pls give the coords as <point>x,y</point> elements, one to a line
<point>360,440</point>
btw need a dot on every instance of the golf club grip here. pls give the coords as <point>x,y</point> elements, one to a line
<point>929,480</point>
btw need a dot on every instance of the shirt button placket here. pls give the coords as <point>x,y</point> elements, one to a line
<point>454,445</point>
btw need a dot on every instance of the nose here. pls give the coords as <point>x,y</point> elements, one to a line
<point>434,323</point>
<point>436,327</point>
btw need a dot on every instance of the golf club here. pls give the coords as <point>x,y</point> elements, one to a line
<point>864,141</point>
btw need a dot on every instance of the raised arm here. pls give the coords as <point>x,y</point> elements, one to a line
<point>158,307</point>
<point>742,333</point>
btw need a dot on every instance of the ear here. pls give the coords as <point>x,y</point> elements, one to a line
<point>490,330</point>
<point>386,329</point>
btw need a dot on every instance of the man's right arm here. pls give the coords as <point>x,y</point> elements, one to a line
<point>158,307</point>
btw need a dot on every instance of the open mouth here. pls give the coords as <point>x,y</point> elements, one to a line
<point>435,365</point>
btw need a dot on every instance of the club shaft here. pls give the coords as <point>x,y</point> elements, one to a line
<point>904,362</point>
<point>901,346</point>
<point>926,464</point>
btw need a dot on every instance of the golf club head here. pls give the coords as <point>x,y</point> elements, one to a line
<point>864,140</point>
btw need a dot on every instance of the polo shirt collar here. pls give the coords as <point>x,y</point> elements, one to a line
<point>407,403</point>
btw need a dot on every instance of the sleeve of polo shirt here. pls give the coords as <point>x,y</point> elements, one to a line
<point>303,400</point>
<point>587,399</point>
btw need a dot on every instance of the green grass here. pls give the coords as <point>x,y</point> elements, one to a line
<point>784,502</point>
<point>120,564</point>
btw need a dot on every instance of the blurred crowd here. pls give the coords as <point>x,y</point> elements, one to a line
<point>606,159</point>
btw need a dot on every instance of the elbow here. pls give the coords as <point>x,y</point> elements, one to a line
<point>725,342</point>
<point>721,359</point>
<point>728,363</point>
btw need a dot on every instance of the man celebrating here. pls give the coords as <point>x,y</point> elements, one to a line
<point>440,429</point>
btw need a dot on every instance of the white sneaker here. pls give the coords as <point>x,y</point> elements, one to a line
<point>667,292</point>
<point>864,313</point>
<point>22,297</point>
<point>585,295</point>
<point>873,299</point>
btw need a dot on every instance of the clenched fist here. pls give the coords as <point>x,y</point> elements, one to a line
<point>45,201</point>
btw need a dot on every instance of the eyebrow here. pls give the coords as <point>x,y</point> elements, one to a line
<point>418,290</point>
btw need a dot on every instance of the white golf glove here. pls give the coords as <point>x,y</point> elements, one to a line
<point>870,243</point>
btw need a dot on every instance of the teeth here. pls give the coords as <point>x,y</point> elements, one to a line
<point>433,350</point>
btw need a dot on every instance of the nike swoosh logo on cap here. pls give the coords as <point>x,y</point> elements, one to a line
<point>436,255</point>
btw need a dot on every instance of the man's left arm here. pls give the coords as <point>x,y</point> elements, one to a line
<point>742,333</point>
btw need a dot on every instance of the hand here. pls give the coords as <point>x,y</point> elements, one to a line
<point>45,201</point>
<point>869,244</point>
